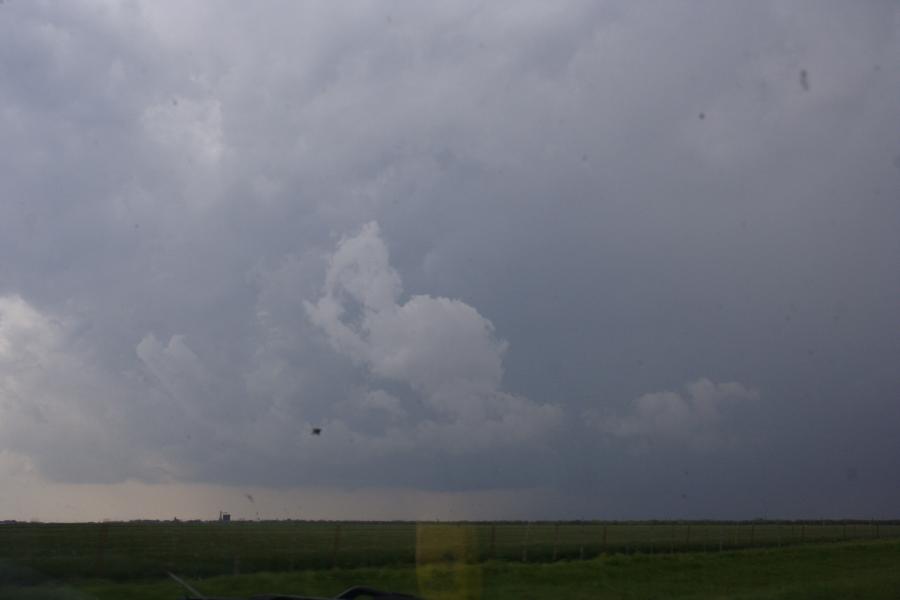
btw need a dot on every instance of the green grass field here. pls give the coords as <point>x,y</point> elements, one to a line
<point>123,551</point>
<point>451,560</point>
<point>865,569</point>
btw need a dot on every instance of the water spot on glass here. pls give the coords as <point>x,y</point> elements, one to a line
<point>804,80</point>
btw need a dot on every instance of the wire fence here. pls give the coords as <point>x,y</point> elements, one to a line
<point>133,550</point>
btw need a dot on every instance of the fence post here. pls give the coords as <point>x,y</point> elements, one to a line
<point>337,545</point>
<point>525,542</point>
<point>101,547</point>
<point>555,541</point>
<point>493,546</point>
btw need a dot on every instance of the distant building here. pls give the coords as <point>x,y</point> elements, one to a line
<point>224,517</point>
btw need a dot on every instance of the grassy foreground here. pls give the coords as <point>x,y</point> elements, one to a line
<point>133,551</point>
<point>843,570</point>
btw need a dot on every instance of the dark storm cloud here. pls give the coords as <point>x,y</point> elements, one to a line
<point>479,246</point>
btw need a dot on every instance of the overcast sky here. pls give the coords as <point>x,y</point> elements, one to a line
<point>515,259</point>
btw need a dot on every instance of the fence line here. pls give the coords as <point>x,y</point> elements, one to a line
<point>123,550</point>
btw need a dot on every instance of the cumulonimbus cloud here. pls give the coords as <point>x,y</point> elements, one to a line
<point>442,348</point>
<point>428,374</point>
<point>60,408</point>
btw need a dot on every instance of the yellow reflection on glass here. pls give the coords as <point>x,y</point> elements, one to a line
<point>447,562</point>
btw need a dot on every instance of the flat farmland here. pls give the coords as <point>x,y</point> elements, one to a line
<point>819,571</point>
<point>142,550</point>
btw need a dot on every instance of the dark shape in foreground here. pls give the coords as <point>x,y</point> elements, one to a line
<point>348,594</point>
<point>316,430</point>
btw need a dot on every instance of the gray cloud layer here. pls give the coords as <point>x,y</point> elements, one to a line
<point>481,245</point>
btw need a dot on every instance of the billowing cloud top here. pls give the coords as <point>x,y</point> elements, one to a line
<point>612,250</point>
<point>433,344</point>
<point>425,376</point>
